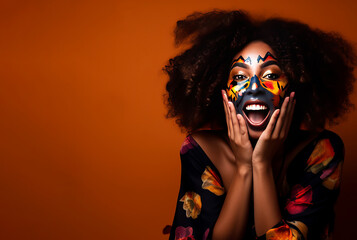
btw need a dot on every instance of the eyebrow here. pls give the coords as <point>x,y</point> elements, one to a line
<point>269,63</point>
<point>265,64</point>
<point>239,64</point>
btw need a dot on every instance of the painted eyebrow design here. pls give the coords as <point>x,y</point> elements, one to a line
<point>244,60</point>
<point>268,54</point>
<point>235,62</point>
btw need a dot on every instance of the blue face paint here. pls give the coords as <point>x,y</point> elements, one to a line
<point>254,102</point>
<point>256,88</point>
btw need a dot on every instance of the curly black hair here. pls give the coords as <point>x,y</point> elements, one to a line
<point>318,65</point>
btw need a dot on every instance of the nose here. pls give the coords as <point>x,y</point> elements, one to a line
<point>254,86</point>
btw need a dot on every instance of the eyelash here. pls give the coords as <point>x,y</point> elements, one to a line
<point>269,76</point>
<point>272,76</point>
<point>239,77</point>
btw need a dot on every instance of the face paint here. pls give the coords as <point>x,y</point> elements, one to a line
<point>256,86</point>
<point>268,56</point>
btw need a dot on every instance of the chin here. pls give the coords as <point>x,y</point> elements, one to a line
<point>254,134</point>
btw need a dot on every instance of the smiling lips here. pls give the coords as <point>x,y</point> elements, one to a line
<point>256,112</point>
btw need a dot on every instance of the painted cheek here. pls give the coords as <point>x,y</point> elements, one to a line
<point>275,87</point>
<point>283,86</point>
<point>235,89</point>
<point>268,86</point>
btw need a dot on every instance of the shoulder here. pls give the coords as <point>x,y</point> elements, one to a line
<point>193,156</point>
<point>326,147</point>
<point>331,137</point>
<point>188,144</point>
<point>321,156</point>
<point>215,146</point>
<point>208,139</point>
<point>197,167</point>
<point>203,144</point>
<point>326,159</point>
<point>319,146</point>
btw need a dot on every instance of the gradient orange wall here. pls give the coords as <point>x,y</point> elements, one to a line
<point>85,150</point>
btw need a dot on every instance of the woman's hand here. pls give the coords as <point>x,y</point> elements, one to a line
<point>237,134</point>
<point>273,137</point>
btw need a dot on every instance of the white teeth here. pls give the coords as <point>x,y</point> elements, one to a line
<point>255,107</point>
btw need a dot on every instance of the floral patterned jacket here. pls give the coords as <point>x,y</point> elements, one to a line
<point>313,177</point>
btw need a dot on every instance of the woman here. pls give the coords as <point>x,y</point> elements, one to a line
<point>254,97</point>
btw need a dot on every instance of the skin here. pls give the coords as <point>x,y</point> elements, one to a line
<point>245,169</point>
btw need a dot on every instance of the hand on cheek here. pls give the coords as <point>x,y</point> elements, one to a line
<point>237,134</point>
<point>273,137</point>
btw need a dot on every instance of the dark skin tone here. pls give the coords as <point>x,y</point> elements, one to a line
<point>245,169</point>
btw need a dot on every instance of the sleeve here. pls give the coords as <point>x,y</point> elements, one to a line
<point>308,212</point>
<point>200,198</point>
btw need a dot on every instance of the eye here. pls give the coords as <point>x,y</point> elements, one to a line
<point>271,76</point>
<point>239,77</point>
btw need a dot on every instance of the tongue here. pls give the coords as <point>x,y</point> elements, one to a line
<point>256,116</point>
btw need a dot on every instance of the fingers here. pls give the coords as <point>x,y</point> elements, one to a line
<point>285,118</point>
<point>234,121</point>
<point>281,119</point>
<point>226,110</point>
<point>228,113</point>
<point>270,128</point>
<point>290,114</point>
<point>243,128</point>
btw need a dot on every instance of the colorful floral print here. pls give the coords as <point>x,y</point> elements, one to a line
<point>279,233</point>
<point>321,156</point>
<point>333,180</point>
<point>206,234</point>
<point>299,225</point>
<point>192,204</point>
<point>182,233</point>
<point>211,182</point>
<point>283,232</point>
<point>187,145</point>
<point>314,180</point>
<point>300,199</point>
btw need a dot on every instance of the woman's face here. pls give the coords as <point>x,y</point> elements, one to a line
<point>256,85</point>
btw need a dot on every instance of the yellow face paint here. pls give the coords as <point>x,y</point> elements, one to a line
<point>276,87</point>
<point>236,89</point>
<point>256,86</point>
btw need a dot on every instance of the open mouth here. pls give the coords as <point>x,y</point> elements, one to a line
<point>256,112</point>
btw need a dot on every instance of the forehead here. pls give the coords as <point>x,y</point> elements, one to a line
<point>256,52</point>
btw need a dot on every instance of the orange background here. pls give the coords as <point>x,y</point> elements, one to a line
<point>85,150</point>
